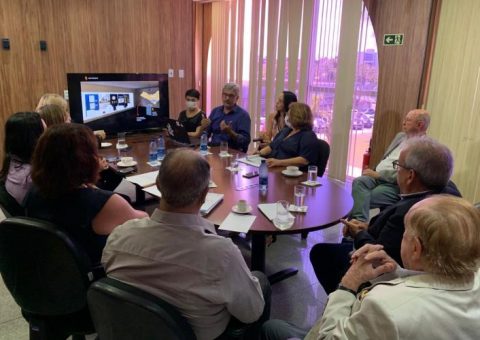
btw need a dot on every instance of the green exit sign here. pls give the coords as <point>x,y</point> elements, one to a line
<point>393,39</point>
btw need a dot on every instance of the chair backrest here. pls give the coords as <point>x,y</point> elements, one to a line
<point>324,154</point>
<point>121,311</point>
<point>8,204</point>
<point>46,273</point>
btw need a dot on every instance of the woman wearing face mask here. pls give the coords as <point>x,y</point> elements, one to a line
<point>193,118</point>
<point>296,144</point>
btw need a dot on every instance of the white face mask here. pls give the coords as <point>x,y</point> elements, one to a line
<point>287,122</point>
<point>191,104</point>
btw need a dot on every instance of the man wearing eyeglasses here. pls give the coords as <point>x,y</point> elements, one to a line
<point>229,122</point>
<point>424,168</point>
<point>378,188</point>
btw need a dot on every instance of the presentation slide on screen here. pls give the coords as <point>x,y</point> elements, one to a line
<point>103,98</point>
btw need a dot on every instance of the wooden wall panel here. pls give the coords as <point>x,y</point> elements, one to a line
<point>125,36</point>
<point>400,67</point>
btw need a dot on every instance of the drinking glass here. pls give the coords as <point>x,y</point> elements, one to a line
<point>283,220</point>
<point>121,141</point>
<point>299,195</point>
<point>223,148</point>
<point>234,163</point>
<point>312,173</point>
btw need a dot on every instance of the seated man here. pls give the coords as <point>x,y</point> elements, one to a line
<point>434,297</point>
<point>296,144</point>
<point>424,168</point>
<point>230,122</point>
<point>378,188</point>
<point>177,255</point>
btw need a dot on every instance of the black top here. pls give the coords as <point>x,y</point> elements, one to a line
<point>304,144</point>
<point>191,123</point>
<point>73,212</point>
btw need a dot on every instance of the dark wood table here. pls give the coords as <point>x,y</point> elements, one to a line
<point>327,203</point>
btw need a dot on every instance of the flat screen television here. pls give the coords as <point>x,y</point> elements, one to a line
<point>119,102</point>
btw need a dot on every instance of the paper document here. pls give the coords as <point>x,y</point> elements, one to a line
<point>144,180</point>
<point>270,210</point>
<point>254,160</point>
<point>211,200</point>
<point>237,223</point>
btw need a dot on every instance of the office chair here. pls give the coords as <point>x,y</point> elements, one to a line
<point>324,154</point>
<point>123,312</point>
<point>48,277</point>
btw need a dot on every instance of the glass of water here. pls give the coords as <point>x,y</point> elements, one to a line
<point>234,163</point>
<point>283,219</point>
<point>121,141</point>
<point>299,195</point>
<point>223,148</point>
<point>312,173</point>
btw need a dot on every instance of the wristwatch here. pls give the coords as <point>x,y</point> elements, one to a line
<point>341,287</point>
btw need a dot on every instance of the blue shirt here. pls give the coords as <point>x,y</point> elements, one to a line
<point>302,144</point>
<point>238,119</point>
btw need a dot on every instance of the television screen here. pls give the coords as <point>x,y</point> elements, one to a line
<point>119,102</point>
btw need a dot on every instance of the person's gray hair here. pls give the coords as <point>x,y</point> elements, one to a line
<point>431,160</point>
<point>183,177</point>
<point>232,87</point>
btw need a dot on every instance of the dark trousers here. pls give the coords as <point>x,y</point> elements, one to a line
<point>330,262</point>
<point>240,330</point>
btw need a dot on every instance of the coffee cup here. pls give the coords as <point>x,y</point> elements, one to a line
<point>292,169</point>
<point>242,206</point>
<point>126,160</point>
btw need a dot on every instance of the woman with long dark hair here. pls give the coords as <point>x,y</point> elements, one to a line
<point>22,131</point>
<point>276,120</point>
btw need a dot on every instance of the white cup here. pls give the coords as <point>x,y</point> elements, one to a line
<point>126,160</point>
<point>242,206</point>
<point>292,169</point>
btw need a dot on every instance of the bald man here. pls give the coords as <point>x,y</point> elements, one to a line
<point>378,188</point>
<point>178,256</point>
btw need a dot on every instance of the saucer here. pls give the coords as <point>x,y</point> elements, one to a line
<point>105,145</point>
<point>124,165</point>
<point>235,209</point>
<point>292,174</point>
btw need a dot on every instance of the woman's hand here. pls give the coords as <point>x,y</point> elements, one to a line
<point>273,162</point>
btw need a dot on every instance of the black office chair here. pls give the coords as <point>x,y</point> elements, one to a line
<point>324,154</point>
<point>123,312</point>
<point>48,276</point>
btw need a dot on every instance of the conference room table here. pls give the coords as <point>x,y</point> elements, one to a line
<point>327,203</point>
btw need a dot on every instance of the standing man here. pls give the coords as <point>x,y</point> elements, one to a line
<point>230,122</point>
<point>378,188</point>
<point>178,256</point>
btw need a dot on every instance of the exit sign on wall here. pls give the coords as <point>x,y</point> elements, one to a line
<point>393,39</point>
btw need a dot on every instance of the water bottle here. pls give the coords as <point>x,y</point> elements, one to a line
<point>263,176</point>
<point>160,148</point>
<point>203,144</point>
<point>152,154</point>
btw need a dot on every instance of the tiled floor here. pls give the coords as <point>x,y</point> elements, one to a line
<point>299,299</point>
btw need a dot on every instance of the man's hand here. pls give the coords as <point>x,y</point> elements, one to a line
<point>273,162</point>
<point>352,227</point>
<point>371,173</point>
<point>225,127</point>
<point>368,262</point>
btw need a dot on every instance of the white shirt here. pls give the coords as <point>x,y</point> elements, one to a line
<point>181,259</point>
<point>415,306</point>
<point>386,163</point>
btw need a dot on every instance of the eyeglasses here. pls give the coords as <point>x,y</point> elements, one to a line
<point>229,95</point>
<point>396,164</point>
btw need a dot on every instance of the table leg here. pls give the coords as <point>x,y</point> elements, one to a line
<point>258,260</point>
<point>258,252</point>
